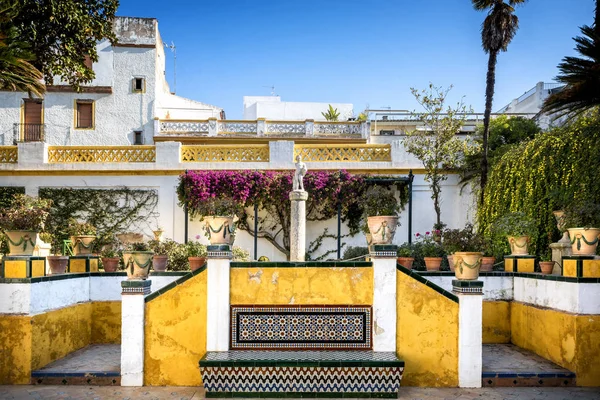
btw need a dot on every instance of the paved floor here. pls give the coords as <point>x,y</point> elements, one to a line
<point>510,358</point>
<point>193,393</point>
<point>93,358</point>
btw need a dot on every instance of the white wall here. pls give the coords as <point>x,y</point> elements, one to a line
<point>271,107</point>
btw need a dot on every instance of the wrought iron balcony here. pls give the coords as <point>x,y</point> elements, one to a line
<point>29,133</point>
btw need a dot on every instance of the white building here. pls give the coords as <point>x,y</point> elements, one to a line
<point>271,107</point>
<point>531,102</point>
<point>117,108</point>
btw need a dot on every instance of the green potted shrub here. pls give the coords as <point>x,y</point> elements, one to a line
<point>218,214</point>
<point>381,209</point>
<point>196,253</point>
<point>22,222</point>
<point>110,259</point>
<point>518,229</point>
<point>56,262</point>
<point>137,258</point>
<point>82,236</point>
<point>405,256</point>
<point>431,251</point>
<point>161,251</point>
<point>239,254</point>
<point>582,220</point>
<point>546,263</point>
<point>355,253</point>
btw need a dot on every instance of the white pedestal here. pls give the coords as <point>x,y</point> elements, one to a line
<point>132,331</point>
<point>384,298</point>
<point>217,291</point>
<point>470,340</point>
<point>298,225</point>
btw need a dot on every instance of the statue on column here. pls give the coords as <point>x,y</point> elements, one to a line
<point>298,183</point>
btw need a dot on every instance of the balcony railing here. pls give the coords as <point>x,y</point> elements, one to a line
<point>261,127</point>
<point>29,132</point>
<point>349,152</point>
<point>101,154</point>
<point>225,153</point>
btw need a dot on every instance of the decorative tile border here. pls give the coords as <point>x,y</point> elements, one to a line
<point>136,287</point>
<point>426,282</point>
<point>76,378</point>
<point>301,327</point>
<point>383,250</point>
<point>467,287</point>
<point>528,379</point>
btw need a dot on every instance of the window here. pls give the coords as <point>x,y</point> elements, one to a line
<point>32,129</point>
<point>139,85</point>
<point>386,133</point>
<point>138,137</point>
<point>84,114</point>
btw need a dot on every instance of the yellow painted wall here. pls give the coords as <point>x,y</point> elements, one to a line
<point>15,349</point>
<point>571,341</point>
<point>106,322</point>
<point>60,332</point>
<point>496,322</point>
<point>303,286</point>
<point>427,334</point>
<point>175,334</point>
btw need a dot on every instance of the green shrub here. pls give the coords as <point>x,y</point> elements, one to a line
<point>354,252</point>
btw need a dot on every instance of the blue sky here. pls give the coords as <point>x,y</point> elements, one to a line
<point>360,52</point>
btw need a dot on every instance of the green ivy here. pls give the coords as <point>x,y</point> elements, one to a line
<point>534,176</point>
<point>7,194</point>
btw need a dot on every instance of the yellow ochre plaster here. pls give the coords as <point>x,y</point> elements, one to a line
<point>302,286</point>
<point>15,269</point>
<point>175,334</point>
<point>496,322</point>
<point>15,350</point>
<point>570,268</point>
<point>106,322</point>
<point>427,334</point>
<point>38,268</point>
<point>571,341</point>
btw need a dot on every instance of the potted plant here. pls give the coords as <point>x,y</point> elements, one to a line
<point>583,222</point>
<point>546,263</point>
<point>466,246</point>
<point>431,251</point>
<point>381,209</point>
<point>82,236</point>
<point>161,251</point>
<point>488,259</point>
<point>56,262</point>
<point>196,253</point>
<point>219,214</point>
<point>22,221</point>
<point>137,258</point>
<point>405,256</point>
<point>518,229</point>
<point>452,241</point>
<point>110,259</point>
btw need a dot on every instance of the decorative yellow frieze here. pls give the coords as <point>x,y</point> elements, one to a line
<point>101,154</point>
<point>343,152</point>
<point>227,153</point>
<point>9,155</point>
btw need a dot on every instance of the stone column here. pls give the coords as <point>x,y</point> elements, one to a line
<point>470,321</point>
<point>384,297</point>
<point>217,292</point>
<point>132,331</point>
<point>298,225</point>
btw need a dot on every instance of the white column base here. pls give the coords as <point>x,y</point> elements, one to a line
<point>470,355</point>
<point>384,302</point>
<point>132,332</point>
<point>217,291</point>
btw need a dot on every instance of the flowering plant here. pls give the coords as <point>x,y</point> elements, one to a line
<point>465,239</point>
<point>26,213</point>
<point>428,246</point>
<point>77,228</point>
<point>379,200</point>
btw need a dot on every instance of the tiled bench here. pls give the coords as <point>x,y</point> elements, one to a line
<point>251,373</point>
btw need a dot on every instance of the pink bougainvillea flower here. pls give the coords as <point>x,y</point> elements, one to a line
<point>427,233</point>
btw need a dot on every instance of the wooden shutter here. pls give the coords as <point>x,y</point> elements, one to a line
<point>85,118</point>
<point>33,112</point>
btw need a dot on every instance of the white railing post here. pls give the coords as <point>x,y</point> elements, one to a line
<point>365,130</point>
<point>281,154</point>
<point>156,126</point>
<point>384,296</point>
<point>310,127</point>
<point>168,154</point>
<point>470,322</point>
<point>261,127</point>
<point>132,331</point>
<point>217,294</point>
<point>32,154</point>
<point>213,127</point>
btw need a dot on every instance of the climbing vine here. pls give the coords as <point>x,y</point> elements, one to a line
<point>537,176</point>
<point>7,194</point>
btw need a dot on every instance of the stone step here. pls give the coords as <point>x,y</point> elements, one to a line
<point>97,365</point>
<point>301,374</point>
<point>506,365</point>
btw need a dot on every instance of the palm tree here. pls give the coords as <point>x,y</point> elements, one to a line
<point>16,71</point>
<point>581,76</point>
<point>497,31</point>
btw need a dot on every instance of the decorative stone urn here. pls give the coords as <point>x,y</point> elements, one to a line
<point>518,245</point>
<point>382,229</point>
<point>82,244</point>
<point>560,224</point>
<point>21,243</point>
<point>138,264</point>
<point>467,265</point>
<point>451,262</point>
<point>220,230</point>
<point>57,264</point>
<point>584,241</point>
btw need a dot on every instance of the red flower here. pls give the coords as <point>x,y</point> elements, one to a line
<point>427,233</point>
<point>417,234</point>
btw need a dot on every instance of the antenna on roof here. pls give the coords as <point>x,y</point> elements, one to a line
<point>174,50</point>
<point>272,90</point>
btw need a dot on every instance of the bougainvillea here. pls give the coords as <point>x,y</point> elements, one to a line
<point>269,190</point>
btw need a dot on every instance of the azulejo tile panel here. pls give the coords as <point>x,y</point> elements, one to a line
<point>301,327</point>
<point>301,379</point>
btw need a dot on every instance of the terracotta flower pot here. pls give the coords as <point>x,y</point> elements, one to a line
<point>546,267</point>
<point>584,241</point>
<point>196,262</point>
<point>518,245</point>
<point>382,229</point>
<point>467,265</point>
<point>82,244</point>
<point>57,264</point>
<point>138,264</point>
<point>433,263</point>
<point>21,243</point>
<point>406,262</point>
<point>451,262</point>
<point>159,263</point>
<point>487,264</point>
<point>220,230</point>
<point>110,264</point>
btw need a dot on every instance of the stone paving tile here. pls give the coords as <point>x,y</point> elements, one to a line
<point>194,393</point>
<point>510,358</point>
<point>93,358</point>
